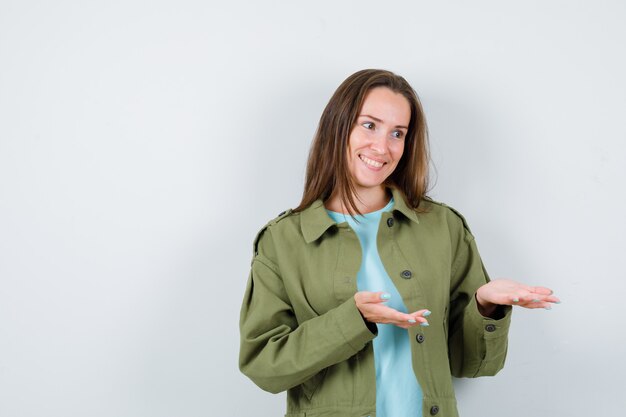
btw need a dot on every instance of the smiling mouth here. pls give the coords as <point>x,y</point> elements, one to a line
<point>371,162</point>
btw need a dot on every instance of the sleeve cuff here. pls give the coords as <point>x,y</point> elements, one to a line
<point>352,325</point>
<point>491,327</point>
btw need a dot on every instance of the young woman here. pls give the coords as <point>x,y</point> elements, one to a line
<point>368,297</point>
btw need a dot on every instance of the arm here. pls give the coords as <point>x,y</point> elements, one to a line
<point>276,351</point>
<point>477,344</point>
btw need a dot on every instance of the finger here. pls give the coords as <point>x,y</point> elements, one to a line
<point>384,296</point>
<point>550,298</point>
<point>530,298</point>
<point>534,298</point>
<point>402,319</point>
<point>399,317</point>
<point>536,305</point>
<point>420,317</point>
<point>381,313</point>
<point>539,301</point>
<point>388,315</point>
<point>363,297</point>
<point>419,321</point>
<point>516,298</point>
<point>542,290</point>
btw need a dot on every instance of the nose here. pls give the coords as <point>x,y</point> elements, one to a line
<point>379,143</point>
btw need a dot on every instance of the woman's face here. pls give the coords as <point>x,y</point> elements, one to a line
<point>376,142</point>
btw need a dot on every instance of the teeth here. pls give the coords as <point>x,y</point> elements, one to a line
<point>371,163</point>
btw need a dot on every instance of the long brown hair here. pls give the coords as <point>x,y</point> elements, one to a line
<point>327,167</point>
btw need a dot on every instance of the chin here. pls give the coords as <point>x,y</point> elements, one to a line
<point>370,183</point>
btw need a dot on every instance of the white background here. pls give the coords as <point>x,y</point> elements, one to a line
<point>143,144</point>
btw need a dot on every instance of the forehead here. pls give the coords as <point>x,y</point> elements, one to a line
<point>387,105</point>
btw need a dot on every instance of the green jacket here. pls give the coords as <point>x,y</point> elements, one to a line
<point>301,330</point>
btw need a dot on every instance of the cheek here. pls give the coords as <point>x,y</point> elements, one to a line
<point>397,151</point>
<point>355,143</point>
<point>355,140</point>
<point>350,147</point>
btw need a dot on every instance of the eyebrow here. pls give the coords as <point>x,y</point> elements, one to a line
<point>376,119</point>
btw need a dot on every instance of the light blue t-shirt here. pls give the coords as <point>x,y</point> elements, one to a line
<point>398,393</point>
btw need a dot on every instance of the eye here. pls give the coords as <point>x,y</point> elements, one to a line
<point>398,134</point>
<point>368,125</point>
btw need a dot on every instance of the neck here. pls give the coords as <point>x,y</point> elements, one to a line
<point>366,200</point>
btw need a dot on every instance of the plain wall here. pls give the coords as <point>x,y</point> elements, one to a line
<point>143,144</point>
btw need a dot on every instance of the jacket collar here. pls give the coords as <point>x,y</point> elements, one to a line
<point>315,221</point>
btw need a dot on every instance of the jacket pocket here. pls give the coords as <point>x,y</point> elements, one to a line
<point>310,385</point>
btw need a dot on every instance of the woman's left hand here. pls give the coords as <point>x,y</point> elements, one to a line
<point>508,292</point>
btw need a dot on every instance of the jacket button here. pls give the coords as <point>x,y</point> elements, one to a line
<point>420,338</point>
<point>406,274</point>
<point>390,222</point>
<point>490,327</point>
<point>434,410</point>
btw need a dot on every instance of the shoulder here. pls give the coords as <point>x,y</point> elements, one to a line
<point>451,215</point>
<point>275,225</point>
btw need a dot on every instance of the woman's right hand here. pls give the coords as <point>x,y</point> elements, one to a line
<point>371,306</point>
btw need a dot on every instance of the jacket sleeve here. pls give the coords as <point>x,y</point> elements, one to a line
<point>276,351</point>
<point>477,345</point>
